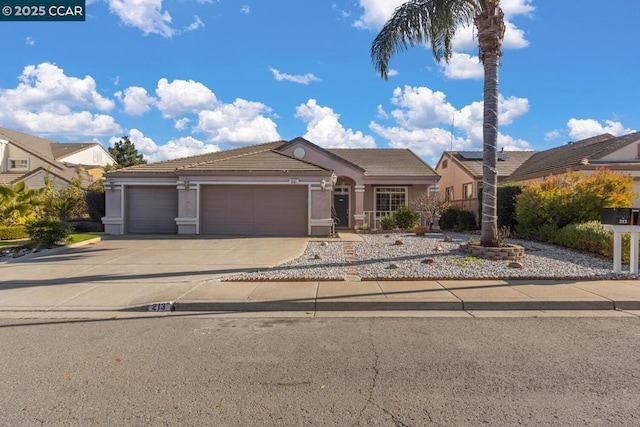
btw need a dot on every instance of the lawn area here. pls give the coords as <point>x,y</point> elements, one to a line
<point>72,238</point>
<point>81,237</point>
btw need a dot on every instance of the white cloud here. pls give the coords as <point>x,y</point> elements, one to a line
<point>245,9</point>
<point>184,147</point>
<point>422,119</point>
<point>181,124</point>
<point>197,23</point>
<point>554,134</point>
<point>173,149</point>
<point>428,142</point>
<point>420,107</point>
<point>242,122</point>
<point>304,79</point>
<point>70,124</point>
<point>29,41</point>
<point>392,72</point>
<point>376,13</point>
<point>324,128</point>
<point>463,66</point>
<point>146,15</point>
<point>183,96</point>
<point>46,101</point>
<point>136,100</point>
<point>586,128</point>
<point>517,7</point>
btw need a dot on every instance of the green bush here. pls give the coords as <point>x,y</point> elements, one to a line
<point>94,198</point>
<point>387,222</point>
<point>48,231</point>
<point>405,217</point>
<point>573,198</point>
<point>13,233</point>
<point>458,220</point>
<point>506,207</point>
<point>449,219</point>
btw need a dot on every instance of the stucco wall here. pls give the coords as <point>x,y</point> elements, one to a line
<point>93,155</point>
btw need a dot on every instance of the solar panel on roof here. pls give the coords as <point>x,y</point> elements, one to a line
<point>477,155</point>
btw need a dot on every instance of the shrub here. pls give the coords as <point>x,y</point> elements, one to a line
<point>571,199</point>
<point>405,217</point>
<point>387,222</point>
<point>13,233</point>
<point>95,201</point>
<point>458,220</point>
<point>449,219</point>
<point>87,226</point>
<point>48,230</point>
<point>506,207</point>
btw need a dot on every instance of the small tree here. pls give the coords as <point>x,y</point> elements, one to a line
<point>430,206</point>
<point>125,153</point>
<point>18,204</point>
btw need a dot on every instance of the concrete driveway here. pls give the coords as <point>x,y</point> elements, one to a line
<point>150,259</point>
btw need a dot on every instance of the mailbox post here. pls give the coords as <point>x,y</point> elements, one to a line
<point>623,220</point>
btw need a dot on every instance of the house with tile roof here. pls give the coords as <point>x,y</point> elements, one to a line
<point>280,188</point>
<point>27,158</point>
<point>619,154</point>
<point>461,175</point>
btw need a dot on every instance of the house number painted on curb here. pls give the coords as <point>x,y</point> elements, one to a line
<point>162,306</point>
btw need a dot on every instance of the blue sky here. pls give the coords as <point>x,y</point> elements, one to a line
<point>182,77</point>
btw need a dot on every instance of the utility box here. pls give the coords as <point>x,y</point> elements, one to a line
<point>620,216</point>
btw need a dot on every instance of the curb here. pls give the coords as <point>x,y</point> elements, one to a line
<point>345,305</point>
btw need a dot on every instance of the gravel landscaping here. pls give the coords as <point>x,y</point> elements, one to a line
<point>379,257</point>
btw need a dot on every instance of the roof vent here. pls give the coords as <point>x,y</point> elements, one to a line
<point>584,161</point>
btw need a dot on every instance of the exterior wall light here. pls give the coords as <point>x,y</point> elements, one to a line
<point>323,185</point>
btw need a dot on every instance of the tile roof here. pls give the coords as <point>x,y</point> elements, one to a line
<point>508,161</point>
<point>259,158</point>
<point>35,145</point>
<point>385,161</point>
<point>559,159</point>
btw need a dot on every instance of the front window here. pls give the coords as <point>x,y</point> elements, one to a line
<point>467,191</point>
<point>18,164</point>
<point>448,194</point>
<point>389,199</point>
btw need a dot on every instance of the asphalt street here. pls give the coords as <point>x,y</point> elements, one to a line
<point>208,370</point>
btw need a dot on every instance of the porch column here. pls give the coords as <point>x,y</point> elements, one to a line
<point>358,215</point>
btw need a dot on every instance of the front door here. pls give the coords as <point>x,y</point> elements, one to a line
<point>341,205</point>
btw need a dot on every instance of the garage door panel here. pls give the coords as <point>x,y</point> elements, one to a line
<point>152,209</point>
<point>259,210</point>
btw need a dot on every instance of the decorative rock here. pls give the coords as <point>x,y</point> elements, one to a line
<point>393,266</point>
<point>386,235</point>
<point>438,248</point>
<point>317,256</point>
<point>399,242</point>
<point>428,261</point>
<point>447,239</point>
<point>324,243</point>
<point>515,264</point>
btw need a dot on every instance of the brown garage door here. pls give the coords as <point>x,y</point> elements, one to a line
<point>152,209</point>
<point>254,210</point>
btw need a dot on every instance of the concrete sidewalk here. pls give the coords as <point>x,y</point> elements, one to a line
<point>313,296</point>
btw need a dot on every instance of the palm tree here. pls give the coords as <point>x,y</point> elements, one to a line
<point>18,204</point>
<point>417,22</point>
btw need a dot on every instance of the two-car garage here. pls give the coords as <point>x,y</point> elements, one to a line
<point>252,210</point>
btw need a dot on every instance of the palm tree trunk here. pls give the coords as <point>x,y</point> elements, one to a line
<point>490,25</point>
<point>489,225</point>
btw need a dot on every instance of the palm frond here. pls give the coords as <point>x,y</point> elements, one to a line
<point>419,22</point>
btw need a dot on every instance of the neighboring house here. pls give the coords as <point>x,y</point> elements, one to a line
<point>29,158</point>
<point>461,175</point>
<point>619,154</point>
<point>279,188</point>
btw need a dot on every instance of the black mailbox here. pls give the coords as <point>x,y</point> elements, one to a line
<point>620,216</point>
